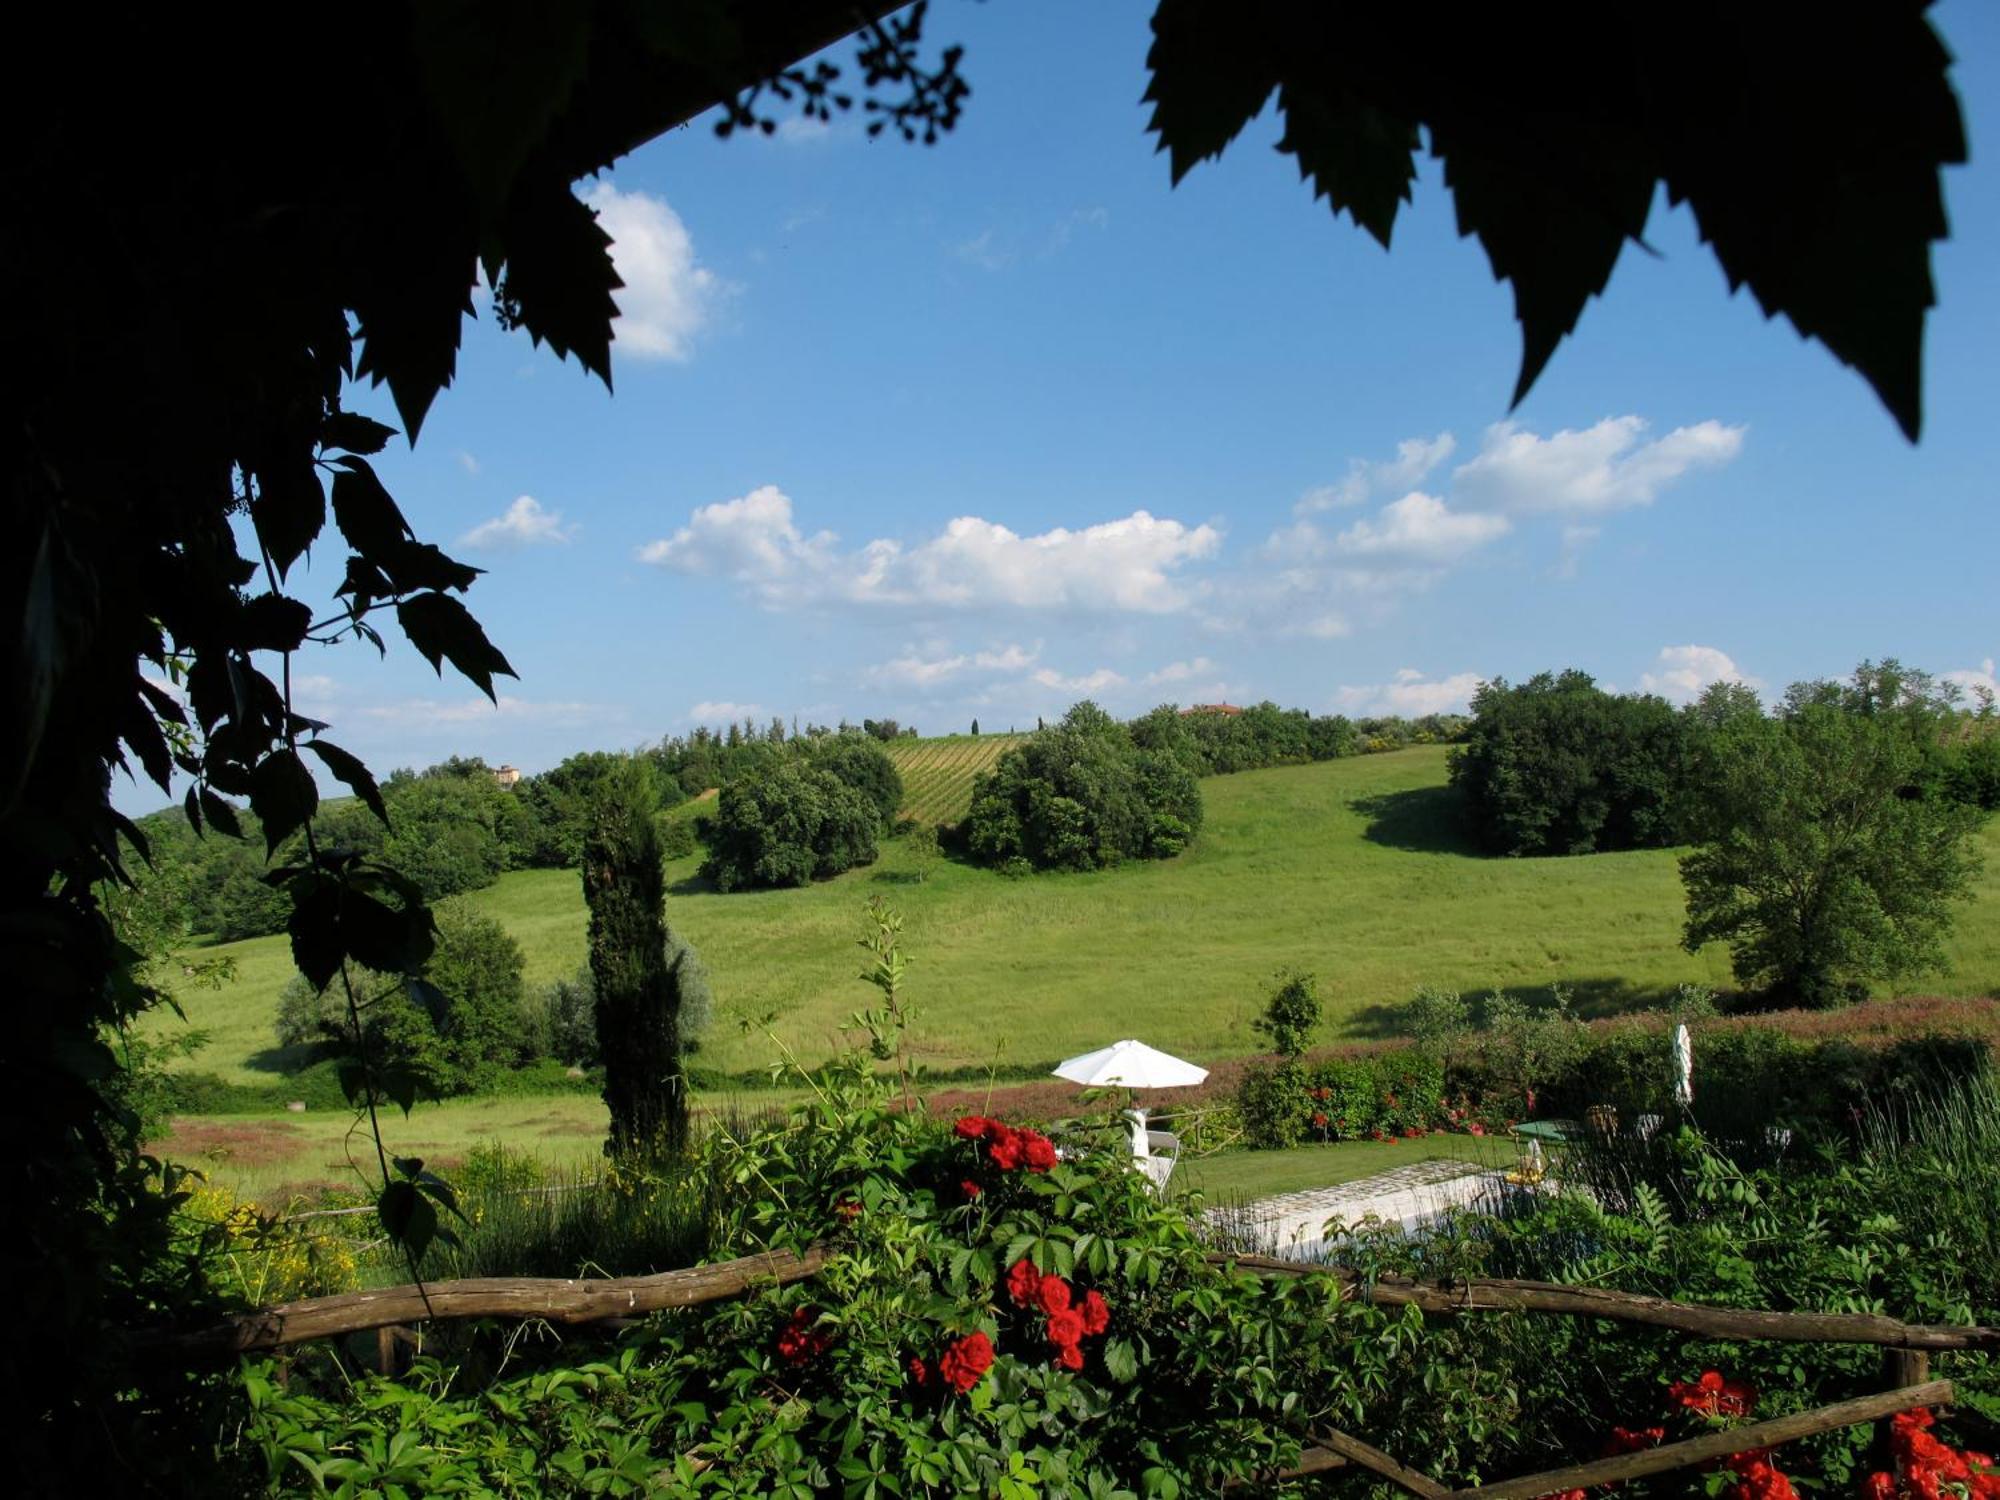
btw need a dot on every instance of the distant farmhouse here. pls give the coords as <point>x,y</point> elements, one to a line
<point>506,776</point>
<point>1211,708</point>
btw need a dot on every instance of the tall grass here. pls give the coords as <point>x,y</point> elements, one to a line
<point>1936,1158</point>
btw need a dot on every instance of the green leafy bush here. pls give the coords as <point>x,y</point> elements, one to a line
<point>787,825</point>
<point>1082,795</point>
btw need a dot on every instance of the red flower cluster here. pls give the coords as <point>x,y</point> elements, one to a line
<point>799,1341</point>
<point>1927,1468</point>
<point>1714,1396</point>
<point>964,1361</point>
<point>1070,1322</point>
<point>1006,1147</point>
<point>970,1189</point>
<point>1757,1478</point>
<point>1633,1439</point>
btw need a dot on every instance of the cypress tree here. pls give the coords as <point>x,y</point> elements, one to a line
<point>638,987</point>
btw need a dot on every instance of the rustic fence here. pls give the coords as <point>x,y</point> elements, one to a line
<point>1907,1346</point>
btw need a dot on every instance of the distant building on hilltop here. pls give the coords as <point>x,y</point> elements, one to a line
<point>506,776</point>
<point>1211,708</point>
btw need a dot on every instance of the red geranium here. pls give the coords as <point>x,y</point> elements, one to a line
<point>1631,1440</point>
<point>965,1360</point>
<point>1069,1357</point>
<point>1319,1120</point>
<point>970,1189</point>
<point>1024,1283</point>
<point>919,1371</point>
<point>972,1127</point>
<point>1096,1313</point>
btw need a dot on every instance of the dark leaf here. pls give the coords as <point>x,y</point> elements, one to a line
<point>408,1217</point>
<point>163,702</point>
<point>412,290</point>
<point>382,937</point>
<point>272,622</point>
<point>559,278</point>
<point>353,433</point>
<point>431,1000</point>
<point>350,772</point>
<point>495,73</point>
<point>1359,159</point>
<point>353,1076</point>
<point>40,665</point>
<point>283,796</point>
<point>419,565</point>
<point>1552,220</point>
<point>289,509</point>
<point>1212,66</point>
<point>441,628</point>
<point>191,806</point>
<point>141,731</point>
<point>318,944</point>
<point>401,1086</point>
<point>221,814</point>
<point>366,513</point>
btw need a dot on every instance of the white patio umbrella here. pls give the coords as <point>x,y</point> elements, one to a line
<point>1131,1065</point>
<point>1683,1066</point>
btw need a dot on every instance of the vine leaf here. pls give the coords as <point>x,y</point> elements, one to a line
<point>289,510</point>
<point>349,770</point>
<point>283,796</point>
<point>443,629</point>
<point>354,433</point>
<point>220,813</point>
<point>559,278</point>
<point>1212,69</point>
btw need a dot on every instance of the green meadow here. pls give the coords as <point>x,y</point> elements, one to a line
<point>1353,869</point>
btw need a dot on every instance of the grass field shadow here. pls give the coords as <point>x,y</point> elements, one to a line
<point>291,1059</point>
<point>1423,820</point>
<point>1591,999</point>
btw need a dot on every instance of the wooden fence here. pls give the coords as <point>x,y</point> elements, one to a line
<point>1907,1345</point>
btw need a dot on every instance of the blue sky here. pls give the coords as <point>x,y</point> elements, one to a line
<point>975,430</point>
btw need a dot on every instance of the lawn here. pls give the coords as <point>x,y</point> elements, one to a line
<point>1353,869</point>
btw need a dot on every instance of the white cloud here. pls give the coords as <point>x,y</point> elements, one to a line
<point>1684,671</point>
<point>984,251</point>
<point>667,294</point>
<point>1420,528</point>
<point>1182,671</point>
<point>424,712</point>
<point>1976,680</point>
<point>914,670</point>
<point>723,711</point>
<point>467,461</point>
<point>1411,695</point>
<point>1415,457</point>
<point>803,130</point>
<point>1601,468</point>
<point>1089,682</point>
<point>1123,565</point>
<point>524,524</point>
<point>1576,541</point>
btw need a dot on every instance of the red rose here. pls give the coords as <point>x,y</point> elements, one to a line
<point>1069,1357</point>
<point>1038,1152</point>
<point>965,1360</point>
<point>970,1189</point>
<point>971,1127</point>
<point>1065,1328</point>
<point>1096,1313</point>
<point>1475,1128</point>
<point>799,1341</point>
<point>1003,1148</point>
<point>919,1371</point>
<point>1880,1487</point>
<point>1024,1283</point>
<point>1319,1121</point>
<point>1052,1295</point>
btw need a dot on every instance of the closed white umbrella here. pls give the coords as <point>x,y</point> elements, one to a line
<point>1131,1065</point>
<point>1683,1066</point>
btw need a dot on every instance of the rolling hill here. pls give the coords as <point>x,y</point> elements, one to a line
<point>1353,868</point>
<point>938,774</point>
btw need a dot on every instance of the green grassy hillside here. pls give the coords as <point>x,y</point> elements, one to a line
<point>937,774</point>
<point>1351,868</point>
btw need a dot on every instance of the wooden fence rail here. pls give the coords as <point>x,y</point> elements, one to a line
<point>1495,1295</point>
<point>585,1301</point>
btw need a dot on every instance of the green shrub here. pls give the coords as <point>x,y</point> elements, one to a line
<point>1291,1012</point>
<point>677,840</point>
<point>787,825</point>
<point>1275,1105</point>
